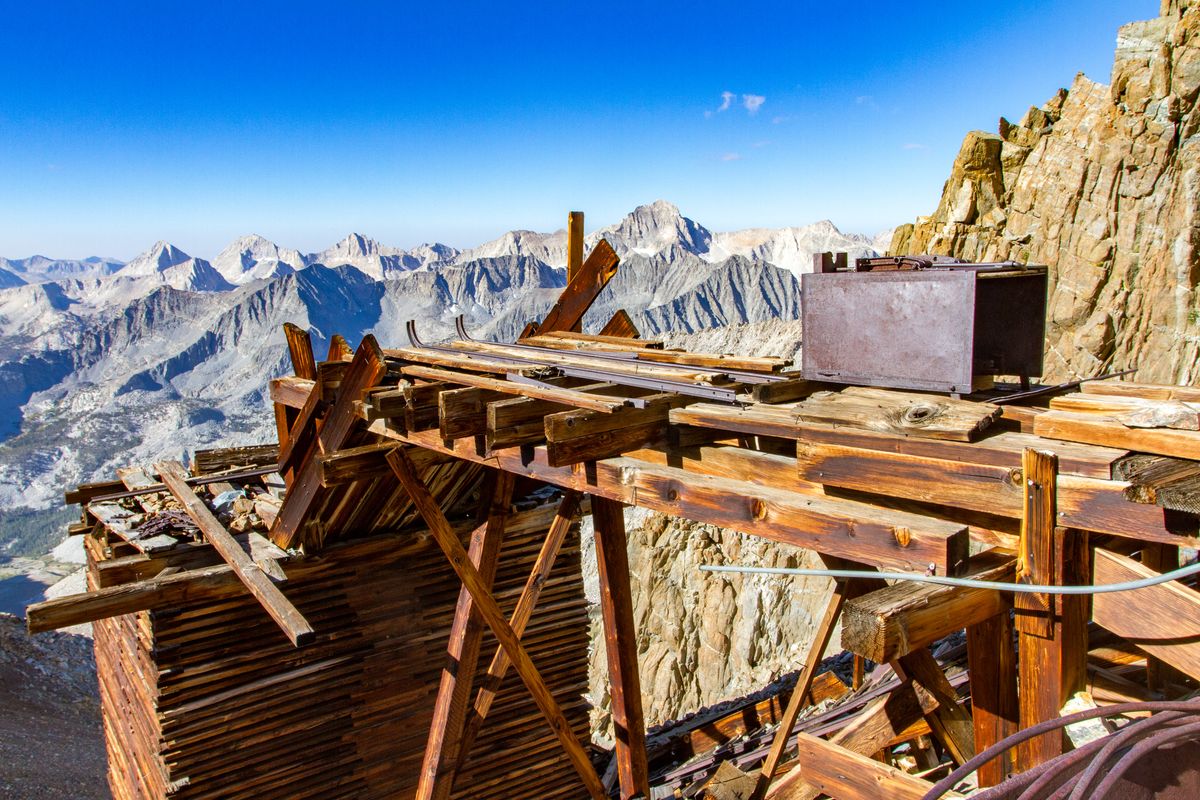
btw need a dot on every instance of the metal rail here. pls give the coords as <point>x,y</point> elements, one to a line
<point>723,394</point>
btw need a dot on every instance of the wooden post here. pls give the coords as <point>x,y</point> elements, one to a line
<point>574,252</point>
<point>992,661</point>
<point>620,644</point>
<point>796,704</point>
<point>442,532</point>
<point>568,507</point>
<point>442,748</point>
<point>1052,630</point>
<point>1161,558</point>
<point>249,573</point>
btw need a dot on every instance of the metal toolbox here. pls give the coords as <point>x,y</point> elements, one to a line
<point>924,323</point>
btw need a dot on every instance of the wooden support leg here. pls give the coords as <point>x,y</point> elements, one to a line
<point>466,636</point>
<point>620,643</point>
<point>563,519</point>
<point>442,532</point>
<point>992,661</point>
<point>1052,631</point>
<point>796,704</point>
<point>950,722</point>
<point>1160,675</point>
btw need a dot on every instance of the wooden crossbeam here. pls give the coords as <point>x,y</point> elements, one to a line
<point>950,722</point>
<point>564,517</point>
<point>299,344</point>
<point>365,370</point>
<point>248,572</point>
<point>494,617</point>
<point>796,704</point>
<point>567,397</point>
<point>620,325</point>
<point>462,651</point>
<point>845,775</point>
<point>581,291</point>
<point>620,646</point>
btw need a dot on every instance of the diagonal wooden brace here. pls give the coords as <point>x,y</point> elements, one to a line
<point>440,528</point>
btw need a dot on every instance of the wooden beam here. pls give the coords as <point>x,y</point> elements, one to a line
<point>883,721</point>
<point>620,645</point>
<point>574,436</point>
<point>566,397</point>
<point>248,572</point>
<point>883,625</point>
<point>291,392</point>
<point>582,290</point>
<point>1039,679</point>
<point>574,252</point>
<point>620,325</point>
<point>299,343</point>
<point>950,722</point>
<point>1162,620</point>
<point>1111,433</point>
<point>494,617</point>
<point>366,370</point>
<point>1148,391</point>
<point>564,518</point>
<point>816,649</point>
<point>442,748</point>
<point>992,662</point>
<point>844,775</point>
<point>880,537</point>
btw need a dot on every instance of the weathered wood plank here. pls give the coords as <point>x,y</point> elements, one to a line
<point>1133,412</point>
<point>1163,620</point>
<point>494,617</point>
<point>290,391</point>
<point>566,397</point>
<point>1172,483</point>
<point>886,624</point>
<point>1148,391</point>
<point>992,661</point>
<point>573,436</point>
<point>924,415</point>
<point>620,644</point>
<point>621,325</point>
<point>844,775</point>
<point>1111,433</point>
<point>248,572</point>
<point>299,343</point>
<point>582,290</point>
<point>442,748</point>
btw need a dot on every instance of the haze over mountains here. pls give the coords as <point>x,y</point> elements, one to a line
<point>104,363</point>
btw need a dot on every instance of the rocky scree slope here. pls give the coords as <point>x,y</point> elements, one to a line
<point>1102,184</point>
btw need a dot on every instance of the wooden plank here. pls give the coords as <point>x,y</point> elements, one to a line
<point>883,625</point>
<point>299,343</point>
<point>992,662</point>
<point>566,397</point>
<point>564,518</point>
<point>339,348</point>
<point>494,617</point>
<point>1086,503</point>
<point>709,374</point>
<point>575,252</point>
<point>1133,412</point>
<point>302,435</point>
<point>1172,483</point>
<point>883,721</point>
<point>581,291</point>
<point>620,645</point>
<point>1110,433</point>
<point>844,775</point>
<point>365,371</point>
<point>997,448</point>
<point>785,391</point>
<point>620,325</point>
<point>1035,556</point>
<point>1163,620</point>
<point>463,412</point>
<point>574,436</point>
<point>290,391</point>
<point>816,649</point>
<point>924,415</point>
<point>442,748</point>
<point>248,572</point>
<point>950,722</point>
<point>1148,391</point>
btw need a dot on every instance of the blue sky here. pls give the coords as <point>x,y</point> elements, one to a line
<point>122,123</point>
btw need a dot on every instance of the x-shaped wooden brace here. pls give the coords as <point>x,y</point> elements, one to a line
<point>489,609</point>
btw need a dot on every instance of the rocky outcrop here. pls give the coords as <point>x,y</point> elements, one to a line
<point>705,637</point>
<point>1102,184</point>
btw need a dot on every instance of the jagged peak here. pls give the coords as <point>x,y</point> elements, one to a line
<point>161,256</point>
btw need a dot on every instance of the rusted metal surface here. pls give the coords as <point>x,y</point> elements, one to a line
<point>931,328</point>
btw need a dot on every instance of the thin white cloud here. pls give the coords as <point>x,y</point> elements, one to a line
<point>731,157</point>
<point>753,102</point>
<point>726,99</point>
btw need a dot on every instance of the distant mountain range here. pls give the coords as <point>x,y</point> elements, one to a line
<point>104,363</point>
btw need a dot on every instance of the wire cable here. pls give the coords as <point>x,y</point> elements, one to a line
<point>968,583</point>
